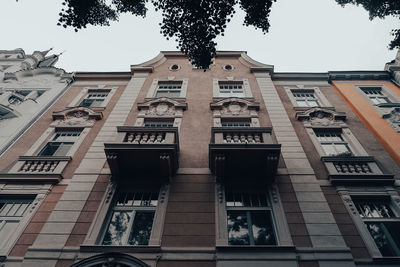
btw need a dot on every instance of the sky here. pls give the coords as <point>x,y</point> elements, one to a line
<point>305,36</point>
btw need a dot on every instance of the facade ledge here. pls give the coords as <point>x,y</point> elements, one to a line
<point>122,249</point>
<point>150,153</point>
<point>248,152</point>
<point>356,170</point>
<point>37,168</point>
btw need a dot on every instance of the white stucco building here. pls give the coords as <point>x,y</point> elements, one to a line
<point>29,84</point>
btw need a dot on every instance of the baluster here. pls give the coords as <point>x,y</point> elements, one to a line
<point>243,139</point>
<point>257,138</point>
<point>145,137</point>
<point>47,166</point>
<point>235,138</point>
<point>345,168</point>
<point>228,138</point>
<point>152,137</point>
<point>357,167</point>
<point>337,167</point>
<point>365,167</point>
<point>351,168</point>
<point>138,136</point>
<point>39,167</point>
<point>130,137</point>
<point>53,166</point>
<point>34,166</point>
<point>160,138</point>
<point>26,166</point>
<point>250,138</point>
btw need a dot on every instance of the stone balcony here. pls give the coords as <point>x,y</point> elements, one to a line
<point>243,154</point>
<point>143,154</point>
<point>37,168</point>
<point>356,169</point>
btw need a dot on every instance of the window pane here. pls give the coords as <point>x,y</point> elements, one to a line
<point>141,228</point>
<point>342,148</point>
<point>329,150</point>
<point>376,209</point>
<point>117,230</point>
<point>63,149</point>
<point>262,227</point>
<point>238,232</point>
<point>386,237</point>
<point>6,229</point>
<point>49,149</point>
<point>301,103</point>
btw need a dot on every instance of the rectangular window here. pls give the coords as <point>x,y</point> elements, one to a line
<point>11,213</point>
<point>94,99</point>
<point>131,219</point>
<point>168,90</point>
<point>333,143</point>
<point>235,123</point>
<point>376,95</point>
<point>158,123</point>
<point>305,99</point>
<point>231,89</point>
<point>249,219</point>
<point>382,223</point>
<point>60,143</point>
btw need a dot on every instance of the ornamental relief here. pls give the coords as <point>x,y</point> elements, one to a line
<point>321,117</point>
<point>235,109</point>
<point>161,107</point>
<point>394,119</point>
<point>81,116</point>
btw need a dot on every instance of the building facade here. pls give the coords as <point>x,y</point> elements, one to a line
<point>29,84</point>
<point>168,165</point>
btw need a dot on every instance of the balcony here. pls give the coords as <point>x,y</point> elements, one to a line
<point>360,170</point>
<point>247,154</point>
<point>143,154</point>
<point>37,168</point>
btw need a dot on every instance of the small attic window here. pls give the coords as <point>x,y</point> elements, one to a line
<point>228,67</point>
<point>174,67</point>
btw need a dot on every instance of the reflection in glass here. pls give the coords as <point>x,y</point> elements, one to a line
<point>141,228</point>
<point>117,229</point>
<point>238,232</point>
<point>262,228</point>
<point>386,236</point>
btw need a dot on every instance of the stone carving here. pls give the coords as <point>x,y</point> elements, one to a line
<point>394,118</point>
<point>234,107</point>
<point>161,107</point>
<point>322,117</point>
<point>79,116</point>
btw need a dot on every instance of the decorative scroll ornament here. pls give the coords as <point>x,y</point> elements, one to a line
<point>322,117</point>
<point>394,118</point>
<point>79,116</point>
<point>161,107</point>
<point>235,107</point>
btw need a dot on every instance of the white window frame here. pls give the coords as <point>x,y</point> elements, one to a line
<point>87,90</point>
<point>319,96</point>
<point>62,136</point>
<point>348,193</point>
<point>282,233</point>
<point>244,82</point>
<point>156,82</point>
<point>392,98</point>
<point>158,122</point>
<point>37,192</point>
<point>94,236</point>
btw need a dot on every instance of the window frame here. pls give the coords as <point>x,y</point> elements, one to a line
<point>244,82</point>
<point>282,234</point>
<point>37,192</point>
<point>333,143</point>
<point>63,140</point>
<point>391,97</point>
<point>95,99</point>
<point>94,236</point>
<point>88,90</point>
<point>152,92</point>
<point>387,193</point>
<point>318,95</point>
<point>132,210</point>
<point>355,146</point>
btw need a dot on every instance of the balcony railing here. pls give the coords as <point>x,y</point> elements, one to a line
<point>37,168</point>
<point>145,152</point>
<point>353,169</point>
<point>243,154</point>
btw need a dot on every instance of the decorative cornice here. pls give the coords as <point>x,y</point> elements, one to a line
<point>358,75</point>
<point>77,112</point>
<point>153,102</point>
<point>233,100</point>
<point>318,115</point>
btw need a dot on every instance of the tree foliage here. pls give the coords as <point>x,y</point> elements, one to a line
<point>195,24</point>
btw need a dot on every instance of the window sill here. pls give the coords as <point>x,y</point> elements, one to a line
<point>386,260</point>
<point>122,249</point>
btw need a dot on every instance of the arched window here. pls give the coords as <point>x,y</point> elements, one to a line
<point>111,259</point>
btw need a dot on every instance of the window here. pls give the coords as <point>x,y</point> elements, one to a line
<point>376,95</point>
<point>168,90</point>
<point>382,223</point>
<point>131,219</point>
<point>305,99</point>
<point>158,123</point>
<point>249,219</point>
<point>333,143</point>
<point>235,123</point>
<point>60,143</point>
<point>231,90</point>
<point>12,212</point>
<point>94,99</point>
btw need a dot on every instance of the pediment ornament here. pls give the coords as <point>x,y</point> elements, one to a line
<point>80,116</point>
<point>161,107</point>
<point>394,118</point>
<point>321,117</point>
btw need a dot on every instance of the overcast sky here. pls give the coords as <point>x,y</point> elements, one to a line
<point>305,36</point>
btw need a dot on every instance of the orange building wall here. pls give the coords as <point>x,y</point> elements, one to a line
<point>380,128</point>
